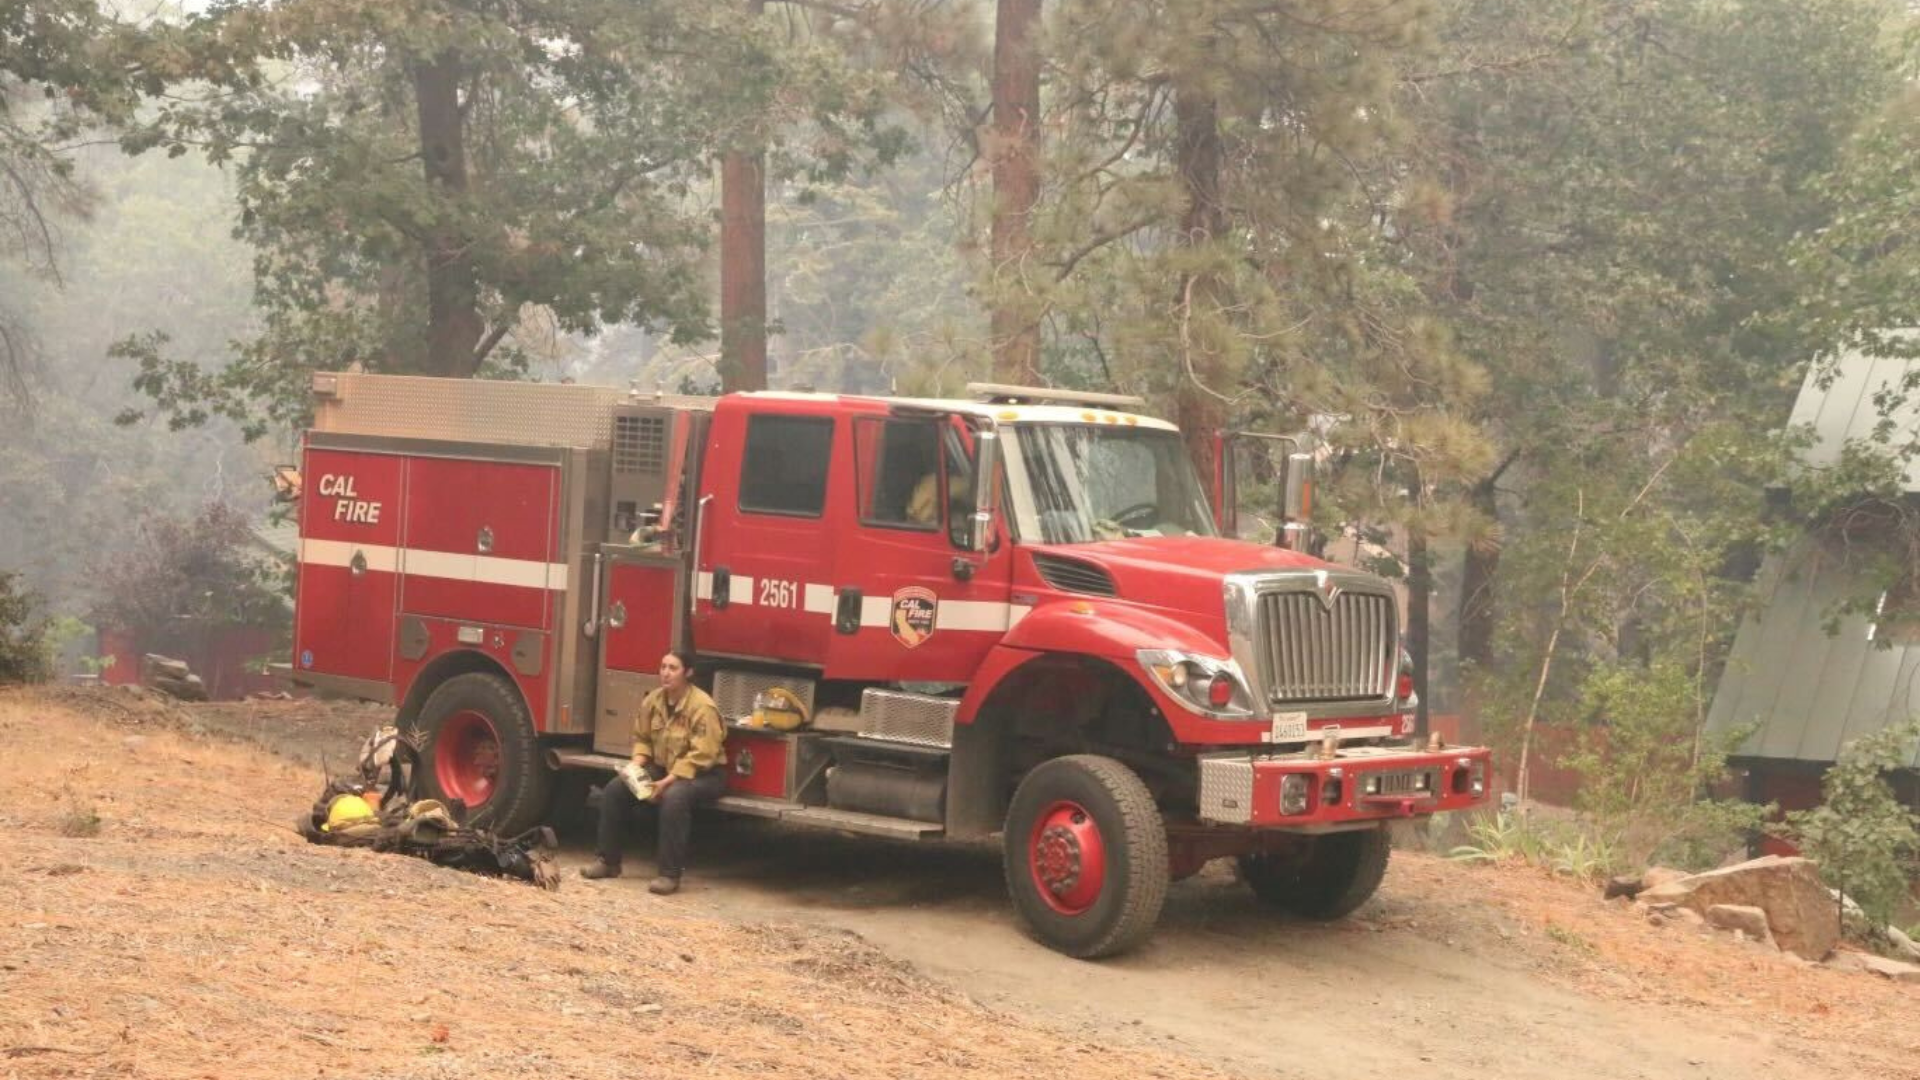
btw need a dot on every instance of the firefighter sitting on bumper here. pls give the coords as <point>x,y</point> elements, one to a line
<point>676,741</point>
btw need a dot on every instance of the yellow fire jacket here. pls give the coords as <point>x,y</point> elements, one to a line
<point>683,740</point>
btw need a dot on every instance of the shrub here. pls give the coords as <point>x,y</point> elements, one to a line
<point>1866,843</point>
<point>23,634</point>
<point>1569,847</point>
<point>1644,774</point>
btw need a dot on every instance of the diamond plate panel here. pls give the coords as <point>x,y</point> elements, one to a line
<point>898,716</point>
<point>1226,789</point>
<point>475,410</point>
<point>734,691</point>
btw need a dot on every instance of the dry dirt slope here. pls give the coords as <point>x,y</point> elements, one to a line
<point>193,935</point>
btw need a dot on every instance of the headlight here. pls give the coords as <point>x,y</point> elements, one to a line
<point>1206,684</point>
<point>1293,794</point>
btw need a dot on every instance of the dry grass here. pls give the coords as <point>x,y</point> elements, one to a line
<point>196,936</point>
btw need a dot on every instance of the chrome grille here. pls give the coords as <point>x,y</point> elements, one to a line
<point>1315,652</point>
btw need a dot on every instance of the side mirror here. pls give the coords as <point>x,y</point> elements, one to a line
<point>986,466</point>
<point>1297,508</point>
<point>286,483</point>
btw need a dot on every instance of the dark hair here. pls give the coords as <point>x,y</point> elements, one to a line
<point>680,656</point>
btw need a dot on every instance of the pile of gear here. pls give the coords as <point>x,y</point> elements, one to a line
<point>373,808</point>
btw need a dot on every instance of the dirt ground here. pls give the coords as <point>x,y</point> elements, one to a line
<point>157,919</point>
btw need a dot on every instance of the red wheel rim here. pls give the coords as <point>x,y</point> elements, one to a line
<point>466,757</point>
<point>1067,857</point>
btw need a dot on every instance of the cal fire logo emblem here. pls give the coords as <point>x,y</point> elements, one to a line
<point>914,609</point>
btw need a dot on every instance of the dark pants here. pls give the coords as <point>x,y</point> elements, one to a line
<point>674,807</point>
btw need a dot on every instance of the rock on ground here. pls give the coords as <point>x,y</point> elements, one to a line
<point>1748,920</point>
<point>1657,876</point>
<point>1799,909</point>
<point>1879,965</point>
<point>1903,945</point>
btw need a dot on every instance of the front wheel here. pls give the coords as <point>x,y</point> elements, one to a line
<point>1328,877</point>
<point>480,748</point>
<point>1086,856</point>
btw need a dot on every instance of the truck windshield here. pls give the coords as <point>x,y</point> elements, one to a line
<point>1087,482</point>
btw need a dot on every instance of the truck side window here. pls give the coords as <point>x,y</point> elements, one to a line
<point>898,463</point>
<point>784,470</point>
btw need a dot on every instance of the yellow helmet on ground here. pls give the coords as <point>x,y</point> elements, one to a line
<point>348,810</point>
<point>778,708</point>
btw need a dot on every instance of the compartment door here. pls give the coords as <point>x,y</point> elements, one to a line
<point>480,538</point>
<point>641,617</point>
<point>349,554</point>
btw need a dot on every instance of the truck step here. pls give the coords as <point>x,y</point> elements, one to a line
<point>753,806</point>
<point>868,824</point>
<point>584,759</point>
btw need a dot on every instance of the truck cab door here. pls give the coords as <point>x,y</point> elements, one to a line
<point>772,494</point>
<point>912,602</point>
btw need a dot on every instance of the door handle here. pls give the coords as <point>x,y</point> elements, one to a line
<point>722,588</point>
<point>846,613</point>
<point>593,604</point>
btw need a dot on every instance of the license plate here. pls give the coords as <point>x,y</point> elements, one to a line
<point>1411,782</point>
<point>1288,726</point>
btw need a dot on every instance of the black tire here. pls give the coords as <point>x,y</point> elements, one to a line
<point>1135,842</point>
<point>522,785</point>
<point>1328,880</point>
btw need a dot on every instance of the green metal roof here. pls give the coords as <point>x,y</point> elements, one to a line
<point>1848,409</point>
<point>1811,692</point>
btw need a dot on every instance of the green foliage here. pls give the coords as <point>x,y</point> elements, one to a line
<point>1646,765</point>
<point>23,632</point>
<point>584,137</point>
<point>1866,842</point>
<point>1570,847</point>
<point>1857,271</point>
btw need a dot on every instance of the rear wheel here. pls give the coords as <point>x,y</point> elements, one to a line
<point>1327,878</point>
<point>480,748</point>
<point>1086,856</point>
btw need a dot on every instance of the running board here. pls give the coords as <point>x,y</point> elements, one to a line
<point>753,806</point>
<point>815,817</point>
<point>584,759</point>
<point>853,821</point>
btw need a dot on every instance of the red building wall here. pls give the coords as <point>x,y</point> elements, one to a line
<point>222,661</point>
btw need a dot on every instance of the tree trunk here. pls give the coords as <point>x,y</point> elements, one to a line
<point>743,265</point>
<point>1016,188</point>
<point>1477,607</point>
<point>453,297</point>
<point>743,272</point>
<point>1199,409</point>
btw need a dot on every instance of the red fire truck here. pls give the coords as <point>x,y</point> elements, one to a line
<point>1014,615</point>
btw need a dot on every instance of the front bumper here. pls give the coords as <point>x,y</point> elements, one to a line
<point>1357,784</point>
